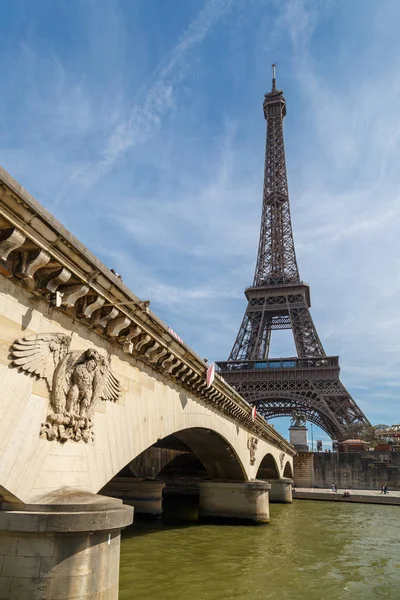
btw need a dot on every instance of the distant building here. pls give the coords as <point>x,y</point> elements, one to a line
<point>353,446</point>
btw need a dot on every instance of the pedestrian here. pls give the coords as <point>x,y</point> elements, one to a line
<point>385,490</point>
<point>382,488</point>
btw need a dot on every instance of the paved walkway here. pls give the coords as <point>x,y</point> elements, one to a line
<point>364,496</point>
<point>358,492</point>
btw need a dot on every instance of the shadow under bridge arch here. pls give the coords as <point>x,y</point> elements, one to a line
<point>268,468</point>
<point>287,472</point>
<point>188,451</point>
<point>281,487</point>
<point>215,452</point>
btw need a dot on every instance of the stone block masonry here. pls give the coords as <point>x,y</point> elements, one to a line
<point>68,548</point>
<point>349,470</point>
<point>235,501</point>
<point>303,465</point>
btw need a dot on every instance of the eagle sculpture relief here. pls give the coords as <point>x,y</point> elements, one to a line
<point>76,380</point>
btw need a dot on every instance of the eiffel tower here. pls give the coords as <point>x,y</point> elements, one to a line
<point>308,383</point>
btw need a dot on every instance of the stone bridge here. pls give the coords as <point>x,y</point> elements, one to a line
<point>99,395</point>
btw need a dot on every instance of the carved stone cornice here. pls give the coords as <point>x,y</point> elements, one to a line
<point>37,252</point>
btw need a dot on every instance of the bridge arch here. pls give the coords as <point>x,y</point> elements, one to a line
<point>268,468</point>
<point>213,450</point>
<point>288,471</point>
<point>177,465</point>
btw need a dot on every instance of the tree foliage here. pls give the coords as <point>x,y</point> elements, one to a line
<point>367,433</point>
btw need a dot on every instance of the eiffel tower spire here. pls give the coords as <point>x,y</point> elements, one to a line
<point>276,262</point>
<point>277,300</point>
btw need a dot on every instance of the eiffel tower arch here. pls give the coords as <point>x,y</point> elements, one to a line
<point>309,382</point>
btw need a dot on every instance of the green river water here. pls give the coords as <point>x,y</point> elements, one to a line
<point>310,551</point>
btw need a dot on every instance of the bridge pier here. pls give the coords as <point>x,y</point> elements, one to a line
<point>144,496</point>
<point>281,490</point>
<point>235,500</point>
<point>66,548</point>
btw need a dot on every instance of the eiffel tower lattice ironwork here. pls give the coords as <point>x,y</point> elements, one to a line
<point>278,299</point>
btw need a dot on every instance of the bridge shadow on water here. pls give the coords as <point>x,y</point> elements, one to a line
<point>179,512</point>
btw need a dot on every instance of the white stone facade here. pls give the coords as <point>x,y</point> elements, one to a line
<point>149,408</point>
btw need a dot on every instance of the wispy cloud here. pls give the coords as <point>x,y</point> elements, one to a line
<point>157,96</point>
<point>299,19</point>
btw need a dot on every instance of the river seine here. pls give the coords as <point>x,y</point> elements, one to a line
<point>310,551</point>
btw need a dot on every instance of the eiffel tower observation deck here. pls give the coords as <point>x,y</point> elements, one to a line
<point>308,383</point>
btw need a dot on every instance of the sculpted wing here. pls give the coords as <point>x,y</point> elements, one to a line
<point>111,388</point>
<point>40,354</point>
<point>105,386</point>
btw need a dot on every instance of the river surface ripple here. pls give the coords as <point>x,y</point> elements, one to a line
<point>310,550</point>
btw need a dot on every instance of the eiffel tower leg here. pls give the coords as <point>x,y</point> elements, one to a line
<point>308,344</point>
<point>262,337</point>
<point>254,337</point>
<point>241,346</point>
<point>267,336</point>
<point>343,407</point>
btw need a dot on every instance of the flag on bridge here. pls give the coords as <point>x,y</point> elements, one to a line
<point>210,375</point>
<point>176,336</point>
<point>253,413</point>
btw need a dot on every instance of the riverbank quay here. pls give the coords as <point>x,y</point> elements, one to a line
<point>349,470</point>
<point>360,496</point>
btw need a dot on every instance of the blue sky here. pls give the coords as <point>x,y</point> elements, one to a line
<point>139,125</point>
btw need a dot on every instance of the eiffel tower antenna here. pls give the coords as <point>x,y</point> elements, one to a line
<point>308,383</point>
<point>274,77</point>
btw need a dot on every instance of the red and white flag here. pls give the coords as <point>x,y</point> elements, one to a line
<point>253,413</point>
<point>176,336</point>
<point>210,375</point>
